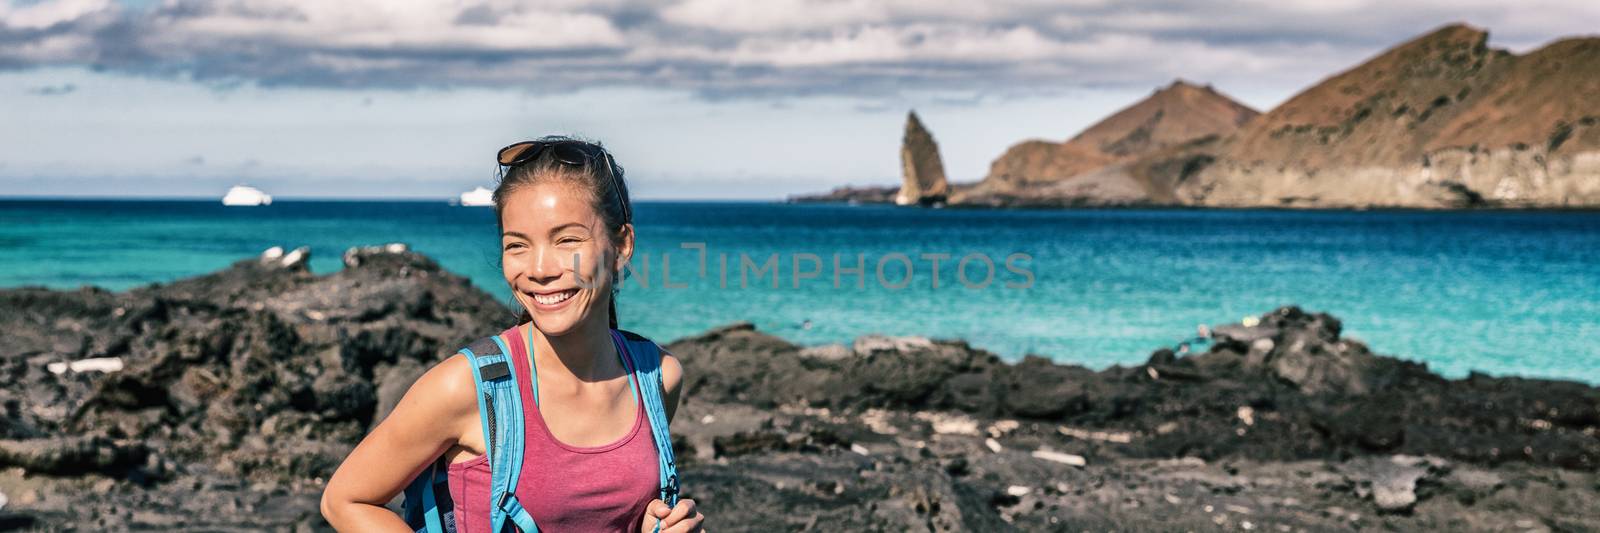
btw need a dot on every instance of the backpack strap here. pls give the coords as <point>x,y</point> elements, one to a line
<point>500,413</point>
<point>421,509</point>
<point>494,381</point>
<point>645,358</point>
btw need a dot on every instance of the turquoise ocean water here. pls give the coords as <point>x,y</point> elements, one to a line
<point>1509,293</point>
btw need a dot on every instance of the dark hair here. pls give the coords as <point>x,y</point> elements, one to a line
<point>607,194</point>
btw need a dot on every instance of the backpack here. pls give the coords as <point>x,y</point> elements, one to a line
<point>500,412</point>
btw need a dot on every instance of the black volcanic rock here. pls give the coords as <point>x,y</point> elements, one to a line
<point>261,357</point>
<point>1313,394</point>
<point>239,392</point>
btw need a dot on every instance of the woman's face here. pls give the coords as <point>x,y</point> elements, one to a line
<point>551,242</point>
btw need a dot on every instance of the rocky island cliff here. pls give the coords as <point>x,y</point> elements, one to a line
<point>921,166</point>
<point>1440,121</point>
<point>1087,169</point>
<point>224,401</point>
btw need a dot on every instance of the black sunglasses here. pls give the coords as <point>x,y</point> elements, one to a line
<point>568,152</point>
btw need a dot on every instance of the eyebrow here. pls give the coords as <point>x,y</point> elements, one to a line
<point>553,231</point>
<point>568,225</point>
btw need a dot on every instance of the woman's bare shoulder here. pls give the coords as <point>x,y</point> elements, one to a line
<point>671,372</point>
<point>445,390</point>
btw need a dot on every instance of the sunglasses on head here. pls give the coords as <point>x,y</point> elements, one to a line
<point>567,152</point>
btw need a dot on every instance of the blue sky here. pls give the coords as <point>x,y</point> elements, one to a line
<point>698,98</point>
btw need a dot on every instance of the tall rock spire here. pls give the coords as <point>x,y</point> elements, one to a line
<point>921,167</point>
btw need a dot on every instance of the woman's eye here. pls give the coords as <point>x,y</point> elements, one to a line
<point>513,246</point>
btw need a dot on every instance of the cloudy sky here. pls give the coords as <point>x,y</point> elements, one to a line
<point>698,98</point>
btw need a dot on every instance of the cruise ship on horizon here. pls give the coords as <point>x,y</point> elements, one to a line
<point>478,197</point>
<point>244,195</point>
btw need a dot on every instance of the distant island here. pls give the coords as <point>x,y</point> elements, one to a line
<point>1441,121</point>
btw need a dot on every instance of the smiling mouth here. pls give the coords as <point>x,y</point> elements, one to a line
<point>555,297</point>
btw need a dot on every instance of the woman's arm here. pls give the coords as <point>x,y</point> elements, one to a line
<point>671,381</point>
<point>434,414</point>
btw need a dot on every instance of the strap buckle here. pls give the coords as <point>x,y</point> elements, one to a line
<point>671,488</point>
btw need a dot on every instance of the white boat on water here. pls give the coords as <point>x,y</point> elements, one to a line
<point>243,195</point>
<point>478,197</point>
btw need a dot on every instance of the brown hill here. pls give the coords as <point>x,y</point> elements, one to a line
<point>1439,121</point>
<point>1046,171</point>
<point>1539,92</point>
<point>1036,161</point>
<point>1175,114</point>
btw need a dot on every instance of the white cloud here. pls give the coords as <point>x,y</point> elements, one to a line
<point>744,16</point>
<point>749,48</point>
<point>380,25</point>
<point>889,44</point>
<point>38,16</point>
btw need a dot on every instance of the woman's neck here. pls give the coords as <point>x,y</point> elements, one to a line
<point>586,352</point>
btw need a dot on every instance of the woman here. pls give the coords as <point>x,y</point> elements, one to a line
<point>590,463</point>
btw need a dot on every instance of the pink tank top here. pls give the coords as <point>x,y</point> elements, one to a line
<point>565,488</point>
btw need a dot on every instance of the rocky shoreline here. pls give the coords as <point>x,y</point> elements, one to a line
<point>224,401</point>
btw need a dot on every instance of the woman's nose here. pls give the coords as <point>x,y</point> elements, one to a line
<point>546,266</point>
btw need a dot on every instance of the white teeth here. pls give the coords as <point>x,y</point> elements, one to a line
<point>553,299</point>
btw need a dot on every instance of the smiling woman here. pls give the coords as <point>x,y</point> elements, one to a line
<point>544,425</point>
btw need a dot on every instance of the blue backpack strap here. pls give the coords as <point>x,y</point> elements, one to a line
<point>431,516</point>
<point>645,357</point>
<point>421,509</point>
<point>500,412</point>
<point>493,379</point>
